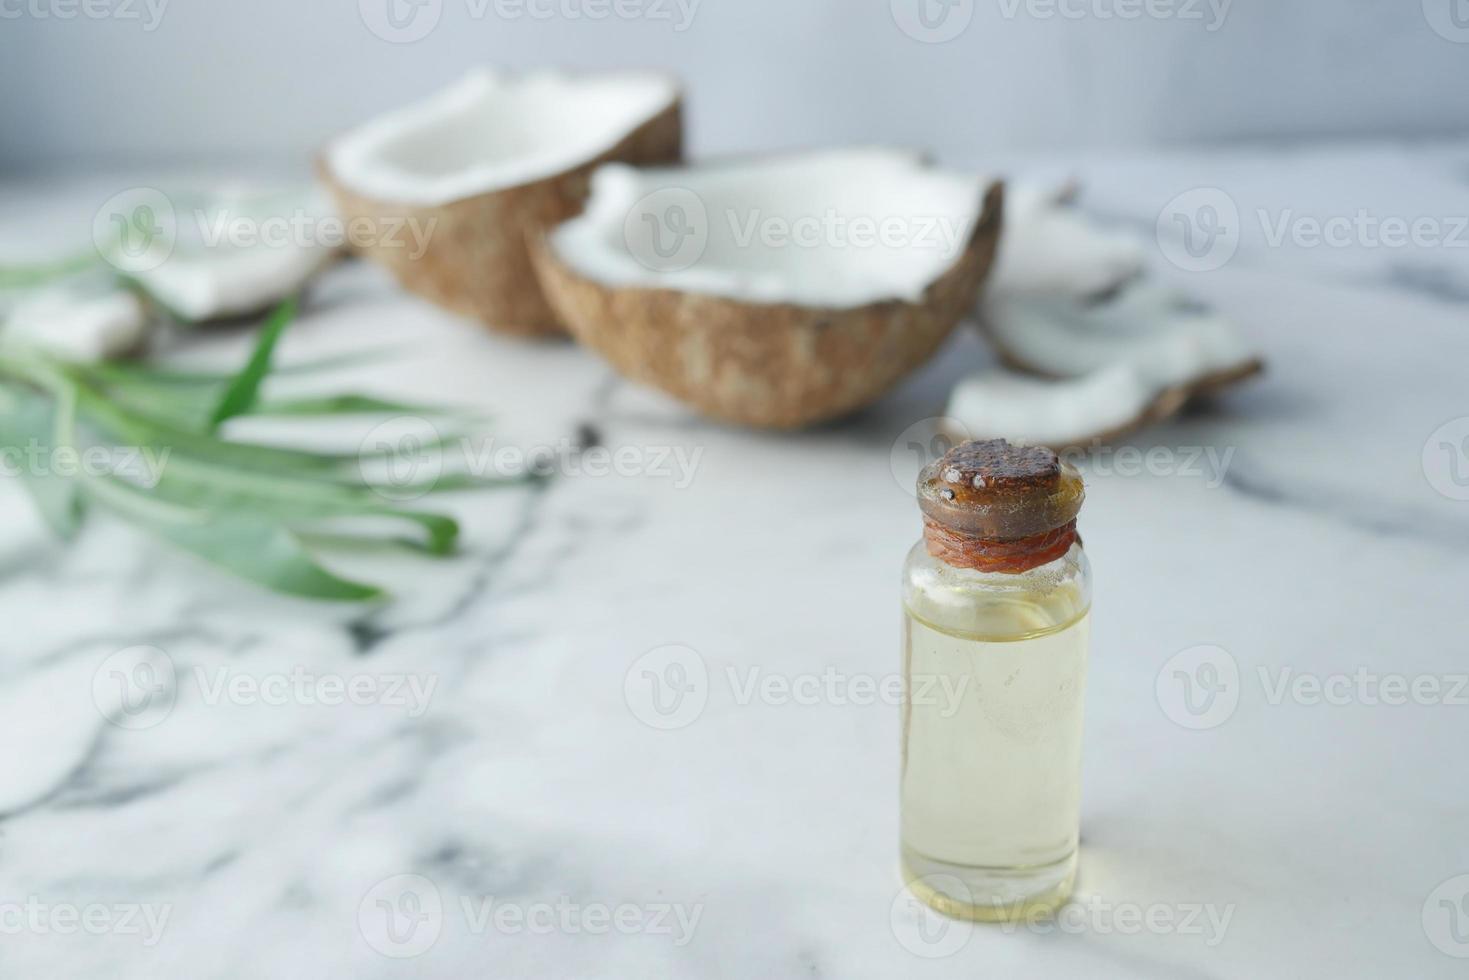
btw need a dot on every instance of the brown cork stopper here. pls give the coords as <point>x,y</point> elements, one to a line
<point>1000,492</point>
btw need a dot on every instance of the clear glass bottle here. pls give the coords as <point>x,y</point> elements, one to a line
<point>996,601</point>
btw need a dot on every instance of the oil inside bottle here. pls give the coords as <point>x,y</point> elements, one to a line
<point>991,750</point>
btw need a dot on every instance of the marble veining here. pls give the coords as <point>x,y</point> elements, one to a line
<point>502,796</point>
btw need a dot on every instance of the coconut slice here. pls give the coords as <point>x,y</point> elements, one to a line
<point>241,251</point>
<point>776,291</point>
<point>1051,249</point>
<point>80,319</point>
<point>1116,365</point>
<point>479,166</point>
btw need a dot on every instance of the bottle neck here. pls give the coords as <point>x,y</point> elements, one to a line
<point>1013,556</point>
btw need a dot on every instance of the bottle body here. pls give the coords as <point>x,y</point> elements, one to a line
<point>994,670</point>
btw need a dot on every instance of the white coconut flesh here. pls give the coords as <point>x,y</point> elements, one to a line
<point>239,251</point>
<point>837,229</point>
<point>1049,248</point>
<point>79,319</point>
<point>1113,363</point>
<point>488,133</point>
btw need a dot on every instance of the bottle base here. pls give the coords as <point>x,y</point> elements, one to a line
<point>988,894</point>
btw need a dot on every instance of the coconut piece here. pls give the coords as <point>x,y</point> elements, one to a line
<point>487,162</point>
<point>211,274</point>
<point>79,321</point>
<point>777,291</point>
<point>1114,366</point>
<point>1050,249</point>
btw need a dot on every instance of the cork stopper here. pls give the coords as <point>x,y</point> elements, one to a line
<point>1000,492</point>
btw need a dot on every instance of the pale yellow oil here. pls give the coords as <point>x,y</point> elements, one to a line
<point>991,760</point>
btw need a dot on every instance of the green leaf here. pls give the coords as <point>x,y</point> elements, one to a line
<point>240,396</point>
<point>290,500</point>
<point>30,421</point>
<point>250,546</point>
<point>347,403</point>
<point>30,276</point>
<point>131,371</point>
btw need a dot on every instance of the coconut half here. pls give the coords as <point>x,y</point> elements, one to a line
<point>1095,371</point>
<point>474,169</point>
<point>778,291</point>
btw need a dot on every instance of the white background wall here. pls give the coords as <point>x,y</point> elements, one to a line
<point>248,80</point>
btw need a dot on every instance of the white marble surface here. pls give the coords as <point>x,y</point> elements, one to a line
<point>1288,839</point>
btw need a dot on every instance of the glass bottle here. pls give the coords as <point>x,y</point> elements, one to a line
<point>996,601</point>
